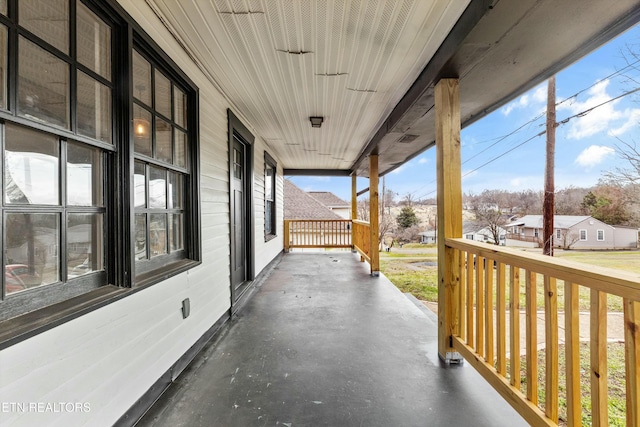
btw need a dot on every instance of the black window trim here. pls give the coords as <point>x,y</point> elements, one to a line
<point>268,160</point>
<point>119,161</point>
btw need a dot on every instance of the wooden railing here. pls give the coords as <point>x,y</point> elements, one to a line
<point>317,233</point>
<point>493,280</point>
<point>518,236</point>
<point>362,239</point>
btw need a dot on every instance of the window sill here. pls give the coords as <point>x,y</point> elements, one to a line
<point>28,325</point>
<point>270,237</point>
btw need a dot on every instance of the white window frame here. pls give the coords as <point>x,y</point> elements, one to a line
<point>598,235</point>
<point>585,235</point>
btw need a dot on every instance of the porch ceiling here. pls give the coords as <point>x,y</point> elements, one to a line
<point>368,67</point>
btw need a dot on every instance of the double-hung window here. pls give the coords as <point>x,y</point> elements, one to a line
<point>269,197</point>
<point>99,174</point>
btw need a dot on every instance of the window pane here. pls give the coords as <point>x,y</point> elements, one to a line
<point>31,250</point>
<point>163,141</point>
<point>142,131</point>
<point>140,186</point>
<point>176,189</point>
<point>176,232</point>
<point>94,42</point>
<point>43,85</point>
<point>84,244</point>
<point>3,7</point>
<point>141,79</point>
<point>179,107</point>
<point>94,108</point>
<point>48,20</point>
<point>84,175</point>
<point>180,149</point>
<point>141,237</point>
<point>158,234</point>
<point>3,65</point>
<point>163,94</point>
<point>158,188</point>
<point>31,167</point>
<point>268,182</point>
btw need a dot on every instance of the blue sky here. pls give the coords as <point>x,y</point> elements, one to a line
<point>585,145</point>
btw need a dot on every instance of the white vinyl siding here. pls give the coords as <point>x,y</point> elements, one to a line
<point>111,356</point>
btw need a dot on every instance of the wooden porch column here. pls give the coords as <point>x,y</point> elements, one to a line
<point>373,214</point>
<point>447,104</point>
<point>354,197</point>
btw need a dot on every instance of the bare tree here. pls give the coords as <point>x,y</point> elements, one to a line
<point>568,238</point>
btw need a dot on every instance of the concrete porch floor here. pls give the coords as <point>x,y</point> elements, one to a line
<point>322,343</point>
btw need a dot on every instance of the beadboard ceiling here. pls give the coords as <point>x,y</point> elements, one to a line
<point>355,62</point>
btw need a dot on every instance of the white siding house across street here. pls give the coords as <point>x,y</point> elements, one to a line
<point>572,232</point>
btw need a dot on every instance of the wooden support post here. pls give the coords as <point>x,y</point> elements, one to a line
<point>447,104</point>
<point>287,237</point>
<point>354,197</point>
<point>632,359</point>
<point>373,214</point>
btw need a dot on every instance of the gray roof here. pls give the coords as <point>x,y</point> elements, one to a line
<point>559,221</point>
<point>329,199</point>
<point>300,205</point>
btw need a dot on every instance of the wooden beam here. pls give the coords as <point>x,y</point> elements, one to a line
<point>449,177</point>
<point>373,214</point>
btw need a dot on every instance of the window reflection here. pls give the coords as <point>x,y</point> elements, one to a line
<point>3,66</point>
<point>180,149</point>
<point>163,141</point>
<point>163,94</point>
<point>141,79</point>
<point>31,167</point>
<point>158,234</point>
<point>176,232</point>
<point>140,186</point>
<point>141,237</point>
<point>142,131</point>
<point>176,191</point>
<point>31,254</point>
<point>94,108</point>
<point>94,41</point>
<point>43,85</point>
<point>48,20</point>
<point>84,175</point>
<point>157,188</point>
<point>84,244</point>
<point>179,107</point>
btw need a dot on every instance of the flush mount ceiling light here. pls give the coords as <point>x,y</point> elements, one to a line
<point>316,122</point>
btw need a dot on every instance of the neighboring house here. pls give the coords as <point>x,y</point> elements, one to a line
<point>572,232</point>
<point>484,234</point>
<point>333,202</point>
<point>299,204</point>
<point>429,237</point>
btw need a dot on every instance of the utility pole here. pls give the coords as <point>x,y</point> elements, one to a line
<point>549,185</point>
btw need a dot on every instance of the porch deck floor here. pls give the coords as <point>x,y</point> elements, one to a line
<point>322,343</point>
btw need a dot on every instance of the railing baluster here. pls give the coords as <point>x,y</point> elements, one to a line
<point>463,292</point>
<point>632,359</point>
<point>551,348</point>
<point>514,326</point>
<point>488,310</point>
<point>532,337</point>
<point>501,314</point>
<point>470,306</point>
<point>479,261</point>
<point>572,349</point>
<point>599,373</point>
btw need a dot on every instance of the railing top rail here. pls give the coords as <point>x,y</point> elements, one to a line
<point>605,279</point>
<point>318,220</point>
<point>357,221</point>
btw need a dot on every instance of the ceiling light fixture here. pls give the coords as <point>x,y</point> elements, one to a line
<point>316,122</point>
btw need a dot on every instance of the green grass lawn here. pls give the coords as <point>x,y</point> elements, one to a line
<point>403,267</point>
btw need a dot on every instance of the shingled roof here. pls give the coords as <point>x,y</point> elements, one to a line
<point>300,205</point>
<point>329,199</point>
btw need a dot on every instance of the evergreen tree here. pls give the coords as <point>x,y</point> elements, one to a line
<point>407,218</point>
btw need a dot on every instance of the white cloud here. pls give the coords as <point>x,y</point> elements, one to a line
<point>398,170</point>
<point>594,155</point>
<point>532,98</point>
<point>604,118</point>
<point>423,161</point>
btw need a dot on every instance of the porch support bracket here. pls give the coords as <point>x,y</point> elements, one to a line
<point>448,166</point>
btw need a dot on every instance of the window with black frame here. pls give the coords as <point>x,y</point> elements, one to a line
<point>269,197</point>
<point>53,204</point>
<point>68,151</point>
<point>161,165</point>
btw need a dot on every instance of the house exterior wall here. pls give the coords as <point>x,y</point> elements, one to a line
<point>108,358</point>
<point>625,238</point>
<point>592,225</point>
<point>343,212</point>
